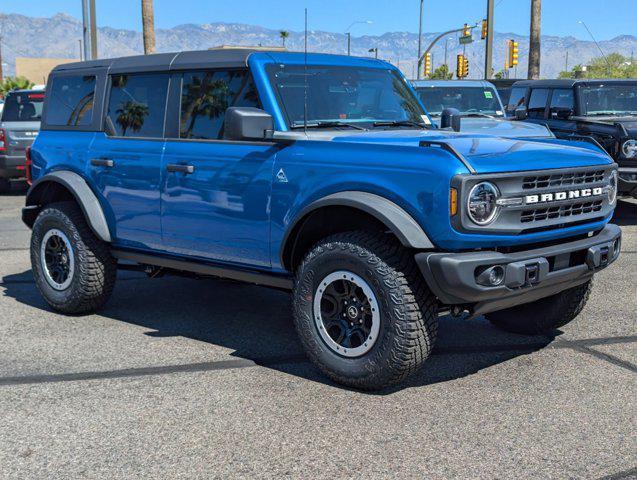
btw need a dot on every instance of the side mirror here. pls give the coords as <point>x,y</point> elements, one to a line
<point>247,123</point>
<point>563,113</point>
<point>521,113</point>
<point>450,117</point>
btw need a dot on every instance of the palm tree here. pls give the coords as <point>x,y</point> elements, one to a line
<point>204,96</point>
<point>148,25</point>
<point>14,83</point>
<point>284,34</point>
<point>534,41</point>
<point>131,115</point>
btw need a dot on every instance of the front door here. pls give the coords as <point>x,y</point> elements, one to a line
<point>216,193</point>
<point>125,162</point>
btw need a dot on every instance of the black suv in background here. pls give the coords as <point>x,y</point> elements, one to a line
<point>601,110</point>
<point>19,125</point>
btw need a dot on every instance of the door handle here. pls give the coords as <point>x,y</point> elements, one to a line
<point>102,162</point>
<point>178,167</point>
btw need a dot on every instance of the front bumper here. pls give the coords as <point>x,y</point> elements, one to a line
<point>13,167</point>
<point>528,275</point>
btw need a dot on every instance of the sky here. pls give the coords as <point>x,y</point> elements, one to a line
<point>605,18</point>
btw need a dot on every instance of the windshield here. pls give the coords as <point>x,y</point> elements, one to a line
<point>345,97</point>
<point>23,107</point>
<point>469,100</point>
<point>608,99</point>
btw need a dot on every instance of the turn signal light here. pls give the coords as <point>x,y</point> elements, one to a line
<point>3,140</point>
<point>453,201</point>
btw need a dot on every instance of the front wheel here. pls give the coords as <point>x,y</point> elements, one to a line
<point>73,269</point>
<point>544,315</point>
<point>362,310</point>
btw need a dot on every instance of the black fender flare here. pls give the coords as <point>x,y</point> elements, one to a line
<point>86,199</point>
<point>394,217</point>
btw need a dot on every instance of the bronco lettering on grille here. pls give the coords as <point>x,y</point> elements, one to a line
<point>566,195</point>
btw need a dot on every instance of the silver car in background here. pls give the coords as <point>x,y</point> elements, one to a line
<point>19,125</point>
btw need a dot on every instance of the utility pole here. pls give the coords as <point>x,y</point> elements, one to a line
<point>1,72</point>
<point>79,41</point>
<point>420,36</point>
<point>566,65</point>
<point>534,42</point>
<point>148,25</point>
<point>488,54</point>
<point>93,31</point>
<point>349,44</point>
<point>86,29</point>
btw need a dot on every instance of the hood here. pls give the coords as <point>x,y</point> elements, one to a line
<point>629,123</point>
<point>504,128</point>
<point>490,154</point>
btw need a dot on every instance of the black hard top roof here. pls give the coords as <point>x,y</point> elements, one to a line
<point>570,82</point>
<point>223,57</point>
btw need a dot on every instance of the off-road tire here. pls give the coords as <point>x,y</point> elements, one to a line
<point>95,269</point>
<point>408,310</point>
<point>544,315</point>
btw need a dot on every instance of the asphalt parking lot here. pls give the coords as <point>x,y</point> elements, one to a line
<point>183,378</point>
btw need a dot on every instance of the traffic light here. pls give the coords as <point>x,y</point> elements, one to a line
<point>427,64</point>
<point>514,53</point>
<point>485,29</point>
<point>466,30</point>
<point>461,64</point>
<point>465,70</point>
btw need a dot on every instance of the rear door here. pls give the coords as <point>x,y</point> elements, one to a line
<point>216,193</point>
<point>125,160</point>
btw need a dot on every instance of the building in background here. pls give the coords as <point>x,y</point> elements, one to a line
<point>37,69</point>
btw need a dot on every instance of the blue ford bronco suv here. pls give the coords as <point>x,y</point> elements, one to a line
<point>318,174</point>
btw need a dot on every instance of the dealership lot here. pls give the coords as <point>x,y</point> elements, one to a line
<point>184,378</point>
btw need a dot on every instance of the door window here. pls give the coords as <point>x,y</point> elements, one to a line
<point>137,105</point>
<point>205,97</point>
<point>516,99</point>
<point>537,102</point>
<point>71,101</point>
<point>562,98</point>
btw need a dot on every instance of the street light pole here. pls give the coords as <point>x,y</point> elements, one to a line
<point>488,54</point>
<point>420,36</point>
<point>349,34</point>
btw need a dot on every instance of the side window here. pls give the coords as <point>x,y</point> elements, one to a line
<point>516,99</point>
<point>137,105</point>
<point>71,101</point>
<point>537,102</point>
<point>205,97</point>
<point>563,98</point>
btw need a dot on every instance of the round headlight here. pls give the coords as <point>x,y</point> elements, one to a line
<point>629,148</point>
<point>481,204</point>
<point>612,187</point>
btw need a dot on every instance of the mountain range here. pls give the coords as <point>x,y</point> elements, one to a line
<point>58,37</point>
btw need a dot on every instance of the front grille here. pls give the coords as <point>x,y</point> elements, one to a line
<point>570,210</point>
<point>561,179</point>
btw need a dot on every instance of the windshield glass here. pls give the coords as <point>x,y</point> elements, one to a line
<point>358,97</point>
<point>23,107</point>
<point>476,100</point>
<point>608,99</point>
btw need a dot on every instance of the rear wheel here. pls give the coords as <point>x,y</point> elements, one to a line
<point>73,269</point>
<point>362,310</point>
<point>544,315</point>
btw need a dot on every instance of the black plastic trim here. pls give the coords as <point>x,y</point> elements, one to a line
<point>282,282</point>
<point>452,150</point>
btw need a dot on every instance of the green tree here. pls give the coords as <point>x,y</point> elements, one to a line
<point>131,115</point>
<point>284,34</point>
<point>14,83</point>
<point>441,73</point>
<point>614,65</point>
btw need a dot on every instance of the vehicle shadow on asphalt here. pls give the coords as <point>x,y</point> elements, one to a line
<point>256,324</point>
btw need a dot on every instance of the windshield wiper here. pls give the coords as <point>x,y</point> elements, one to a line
<point>332,124</point>
<point>399,123</point>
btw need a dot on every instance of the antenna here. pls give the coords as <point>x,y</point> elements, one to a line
<point>305,80</point>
